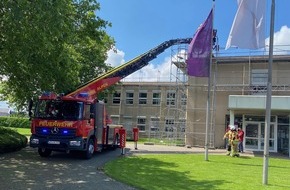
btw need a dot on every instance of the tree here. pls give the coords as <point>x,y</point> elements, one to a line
<point>50,46</point>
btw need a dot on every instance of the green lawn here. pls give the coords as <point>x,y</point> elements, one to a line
<point>191,171</point>
<point>23,131</point>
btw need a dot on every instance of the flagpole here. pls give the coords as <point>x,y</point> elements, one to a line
<point>208,94</point>
<point>207,113</point>
<point>268,98</point>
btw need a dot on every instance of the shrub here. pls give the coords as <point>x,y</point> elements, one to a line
<point>10,140</point>
<point>17,122</point>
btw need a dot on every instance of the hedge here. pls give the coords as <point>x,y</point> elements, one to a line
<point>17,122</point>
<point>11,141</point>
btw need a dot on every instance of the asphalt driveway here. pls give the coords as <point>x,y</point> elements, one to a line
<point>25,169</point>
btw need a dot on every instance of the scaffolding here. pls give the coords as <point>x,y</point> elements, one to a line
<point>171,121</point>
<point>170,125</point>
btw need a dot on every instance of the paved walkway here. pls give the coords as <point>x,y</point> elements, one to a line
<point>163,149</point>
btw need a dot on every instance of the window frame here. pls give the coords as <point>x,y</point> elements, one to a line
<point>170,101</point>
<point>156,100</point>
<point>143,100</point>
<point>129,99</point>
<point>141,123</point>
<point>116,100</point>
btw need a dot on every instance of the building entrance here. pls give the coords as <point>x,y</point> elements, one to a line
<point>255,134</point>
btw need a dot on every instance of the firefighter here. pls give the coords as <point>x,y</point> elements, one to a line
<point>227,137</point>
<point>234,142</point>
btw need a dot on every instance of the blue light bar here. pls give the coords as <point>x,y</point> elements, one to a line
<point>44,131</point>
<point>46,94</point>
<point>83,95</point>
<point>65,132</point>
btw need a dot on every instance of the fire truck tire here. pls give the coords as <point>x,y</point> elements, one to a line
<point>44,152</point>
<point>90,149</point>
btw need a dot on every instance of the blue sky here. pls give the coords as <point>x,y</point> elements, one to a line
<point>140,25</point>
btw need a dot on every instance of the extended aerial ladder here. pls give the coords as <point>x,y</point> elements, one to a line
<point>77,120</point>
<point>116,74</point>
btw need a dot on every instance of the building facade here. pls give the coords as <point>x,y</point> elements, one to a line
<point>158,109</point>
<point>180,111</point>
<point>238,96</point>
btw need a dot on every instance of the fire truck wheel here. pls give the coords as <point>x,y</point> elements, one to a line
<point>44,152</point>
<point>90,149</point>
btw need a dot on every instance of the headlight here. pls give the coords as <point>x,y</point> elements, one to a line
<point>75,143</point>
<point>34,141</point>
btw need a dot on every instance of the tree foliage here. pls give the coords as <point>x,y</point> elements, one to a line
<point>51,45</point>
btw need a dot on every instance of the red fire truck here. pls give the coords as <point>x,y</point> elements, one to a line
<point>77,121</point>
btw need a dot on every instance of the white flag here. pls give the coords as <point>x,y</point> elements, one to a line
<point>248,29</point>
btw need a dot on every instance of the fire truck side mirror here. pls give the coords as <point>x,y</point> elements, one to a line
<point>30,105</point>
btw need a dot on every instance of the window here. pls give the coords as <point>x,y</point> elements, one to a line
<point>259,79</point>
<point>68,110</point>
<point>170,98</point>
<point>182,125</point>
<point>129,97</point>
<point>116,98</point>
<point>87,111</point>
<point>141,123</point>
<point>115,118</point>
<point>169,125</point>
<point>183,99</point>
<point>156,97</point>
<point>154,124</point>
<point>142,97</point>
<point>128,123</point>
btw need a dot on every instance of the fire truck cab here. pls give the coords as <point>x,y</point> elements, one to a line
<point>64,124</point>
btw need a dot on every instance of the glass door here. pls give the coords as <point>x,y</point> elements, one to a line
<point>271,136</point>
<point>252,136</point>
<point>255,134</point>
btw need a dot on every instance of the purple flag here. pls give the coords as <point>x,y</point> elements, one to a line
<point>199,51</point>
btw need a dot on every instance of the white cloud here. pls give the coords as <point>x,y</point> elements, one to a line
<point>150,73</point>
<point>281,41</point>
<point>115,57</point>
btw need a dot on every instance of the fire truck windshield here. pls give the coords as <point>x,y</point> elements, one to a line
<point>52,109</point>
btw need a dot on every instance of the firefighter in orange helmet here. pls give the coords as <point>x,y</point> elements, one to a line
<point>234,142</point>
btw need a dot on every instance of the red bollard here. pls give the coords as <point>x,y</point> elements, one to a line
<point>122,133</point>
<point>135,136</point>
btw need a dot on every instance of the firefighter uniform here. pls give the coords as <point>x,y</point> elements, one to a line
<point>234,143</point>
<point>227,137</point>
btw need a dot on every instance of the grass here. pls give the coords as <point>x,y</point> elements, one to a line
<point>23,131</point>
<point>191,171</point>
